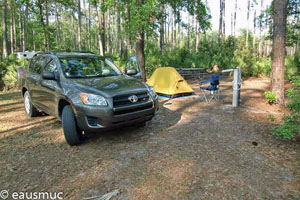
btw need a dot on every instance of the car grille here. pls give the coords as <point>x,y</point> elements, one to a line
<point>122,105</point>
<point>120,101</point>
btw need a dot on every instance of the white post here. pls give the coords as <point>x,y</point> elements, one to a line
<point>236,84</point>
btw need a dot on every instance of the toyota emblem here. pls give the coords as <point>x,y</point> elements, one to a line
<point>133,99</point>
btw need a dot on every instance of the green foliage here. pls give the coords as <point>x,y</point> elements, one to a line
<point>271,118</point>
<point>227,53</point>
<point>292,65</point>
<point>271,96</point>
<point>210,52</point>
<point>214,51</point>
<point>288,130</point>
<point>291,126</point>
<point>8,72</point>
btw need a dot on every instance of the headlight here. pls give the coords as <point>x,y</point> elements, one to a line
<point>152,92</point>
<point>91,99</point>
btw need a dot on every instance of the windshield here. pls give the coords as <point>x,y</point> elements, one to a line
<point>86,67</point>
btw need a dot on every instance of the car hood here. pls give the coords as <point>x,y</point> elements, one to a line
<point>110,86</point>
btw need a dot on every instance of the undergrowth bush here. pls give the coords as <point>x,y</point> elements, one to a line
<point>271,96</point>
<point>227,53</point>
<point>291,126</point>
<point>8,71</point>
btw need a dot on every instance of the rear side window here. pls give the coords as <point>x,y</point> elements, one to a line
<point>51,67</point>
<point>39,63</point>
<point>32,63</point>
<point>38,66</point>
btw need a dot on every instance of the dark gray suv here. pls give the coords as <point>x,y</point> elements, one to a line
<point>87,92</point>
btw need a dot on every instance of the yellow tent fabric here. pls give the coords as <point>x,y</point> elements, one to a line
<point>167,81</point>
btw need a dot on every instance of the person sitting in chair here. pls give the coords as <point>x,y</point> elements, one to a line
<point>215,69</point>
<point>213,87</point>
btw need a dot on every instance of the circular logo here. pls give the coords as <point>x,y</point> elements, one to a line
<point>4,194</point>
<point>133,99</point>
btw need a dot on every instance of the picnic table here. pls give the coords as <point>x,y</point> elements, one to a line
<point>192,72</point>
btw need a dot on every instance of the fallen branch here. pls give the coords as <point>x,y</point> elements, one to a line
<point>107,196</point>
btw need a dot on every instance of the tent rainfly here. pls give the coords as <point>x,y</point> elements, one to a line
<point>167,81</point>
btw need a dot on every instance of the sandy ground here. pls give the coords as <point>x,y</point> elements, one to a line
<point>191,150</point>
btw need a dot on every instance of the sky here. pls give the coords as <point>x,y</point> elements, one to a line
<point>214,6</point>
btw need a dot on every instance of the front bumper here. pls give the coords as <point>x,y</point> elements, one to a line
<point>93,118</point>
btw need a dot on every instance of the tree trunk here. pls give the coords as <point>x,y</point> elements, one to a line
<point>188,32</point>
<point>11,33</point>
<point>47,28</point>
<point>108,32</point>
<point>247,34</point>
<point>254,33</point>
<point>4,27</point>
<point>161,24</point>
<point>168,31</point>
<point>33,41</point>
<point>165,28</point>
<point>140,43</point>
<point>221,20</point>
<point>58,38</point>
<point>174,27</point>
<point>86,31</point>
<point>119,33</point>
<point>79,27</point>
<point>279,44</point>
<point>103,28</point>
<point>90,27</point>
<point>20,31</point>
<point>178,32</point>
<point>172,33</point>
<point>231,24</point>
<point>25,20</point>
<point>224,19</point>
<point>14,26</point>
<point>234,23</point>
<point>260,46</point>
<point>197,33</point>
<point>73,31</point>
<point>101,49</point>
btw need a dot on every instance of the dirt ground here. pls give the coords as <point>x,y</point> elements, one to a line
<point>191,150</point>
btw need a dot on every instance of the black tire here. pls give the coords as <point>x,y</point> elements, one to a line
<point>72,134</point>
<point>30,109</point>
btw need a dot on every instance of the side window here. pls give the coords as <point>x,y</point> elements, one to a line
<point>40,63</point>
<point>37,67</point>
<point>133,64</point>
<point>51,67</point>
<point>32,63</point>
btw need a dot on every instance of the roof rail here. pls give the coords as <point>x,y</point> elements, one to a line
<point>82,52</point>
<point>55,52</point>
<point>47,52</point>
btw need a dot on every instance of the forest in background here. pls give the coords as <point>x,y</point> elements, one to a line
<point>161,33</point>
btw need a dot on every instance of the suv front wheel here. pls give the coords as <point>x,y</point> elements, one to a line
<point>30,110</point>
<point>72,134</point>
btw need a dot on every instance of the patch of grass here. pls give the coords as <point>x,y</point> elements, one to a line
<point>271,96</point>
<point>271,118</point>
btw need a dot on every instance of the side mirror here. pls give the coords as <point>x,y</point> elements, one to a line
<point>131,72</point>
<point>49,75</point>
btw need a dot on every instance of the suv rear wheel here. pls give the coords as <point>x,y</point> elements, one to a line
<point>72,134</point>
<point>30,110</point>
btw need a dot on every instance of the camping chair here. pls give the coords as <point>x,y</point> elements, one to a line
<point>213,88</point>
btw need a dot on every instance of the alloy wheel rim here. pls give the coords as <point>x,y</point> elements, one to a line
<point>27,104</point>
